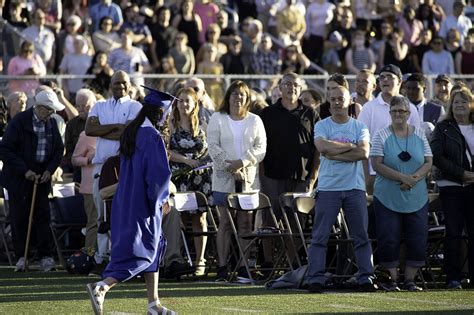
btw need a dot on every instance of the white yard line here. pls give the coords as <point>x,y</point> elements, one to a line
<point>351,307</point>
<point>406,298</point>
<point>239,310</point>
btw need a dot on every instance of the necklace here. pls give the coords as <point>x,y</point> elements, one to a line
<point>403,155</point>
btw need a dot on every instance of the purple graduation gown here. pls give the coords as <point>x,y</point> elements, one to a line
<point>137,240</point>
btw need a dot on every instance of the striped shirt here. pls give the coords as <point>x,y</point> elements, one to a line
<point>386,144</point>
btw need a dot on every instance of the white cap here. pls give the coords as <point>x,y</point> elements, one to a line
<point>50,99</point>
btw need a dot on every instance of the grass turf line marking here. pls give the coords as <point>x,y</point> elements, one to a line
<point>352,307</point>
<point>239,310</point>
<point>405,299</point>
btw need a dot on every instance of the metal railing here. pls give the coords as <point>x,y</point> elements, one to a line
<point>317,81</point>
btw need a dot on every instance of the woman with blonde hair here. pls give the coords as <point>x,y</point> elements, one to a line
<point>453,146</point>
<point>188,150</point>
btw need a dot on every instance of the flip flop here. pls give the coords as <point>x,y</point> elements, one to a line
<point>96,297</point>
<point>160,309</point>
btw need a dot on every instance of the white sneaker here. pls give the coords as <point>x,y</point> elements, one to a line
<point>47,264</point>
<point>20,264</point>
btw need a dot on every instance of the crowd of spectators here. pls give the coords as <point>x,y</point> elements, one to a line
<point>118,41</point>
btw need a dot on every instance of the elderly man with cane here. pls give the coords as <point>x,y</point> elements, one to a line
<point>31,150</point>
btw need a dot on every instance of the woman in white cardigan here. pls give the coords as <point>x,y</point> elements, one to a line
<point>237,144</point>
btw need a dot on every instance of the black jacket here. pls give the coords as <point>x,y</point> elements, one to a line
<point>449,152</point>
<point>18,150</point>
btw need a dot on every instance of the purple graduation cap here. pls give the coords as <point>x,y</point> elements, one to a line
<point>160,99</point>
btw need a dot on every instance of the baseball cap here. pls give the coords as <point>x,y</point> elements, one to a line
<point>459,2</point>
<point>443,77</point>
<point>49,99</point>
<point>392,69</point>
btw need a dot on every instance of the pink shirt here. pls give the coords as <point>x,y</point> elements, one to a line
<point>17,66</point>
<point>82,156</point>
<point>412,31</point>
<point>207,13</point>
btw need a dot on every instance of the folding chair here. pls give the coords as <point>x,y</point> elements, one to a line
<point>193,202</point>
<point>298,212</point>
<point>67,214</point>
<point>3,229</point>
<point>301,209</point>
<point>254,203</point>
<point>434,252</point>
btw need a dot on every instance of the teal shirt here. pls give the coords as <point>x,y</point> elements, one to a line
<point>337,175</point>
<point>388,191</point>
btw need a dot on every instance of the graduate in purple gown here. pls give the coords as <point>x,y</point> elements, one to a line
<point>138,243</point>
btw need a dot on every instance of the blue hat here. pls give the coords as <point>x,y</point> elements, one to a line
<point>158,98</point>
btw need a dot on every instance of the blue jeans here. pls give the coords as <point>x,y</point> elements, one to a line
<point>328,205</point>
<point>391,226</point>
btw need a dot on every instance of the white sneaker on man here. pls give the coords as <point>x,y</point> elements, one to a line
<point>20,264</point>
<point>47,264</point>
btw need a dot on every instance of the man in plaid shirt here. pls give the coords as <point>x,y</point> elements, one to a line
<point>265,60</point>
<point>31,150</point>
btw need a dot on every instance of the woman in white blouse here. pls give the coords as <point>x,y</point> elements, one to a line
<point>237,144</point>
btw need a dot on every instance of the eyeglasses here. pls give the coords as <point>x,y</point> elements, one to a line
<point>291,85</point>
<point>45,108</point>
<point>398,111</point>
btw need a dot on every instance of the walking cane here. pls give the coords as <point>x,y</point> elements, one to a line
<point>30,223</point>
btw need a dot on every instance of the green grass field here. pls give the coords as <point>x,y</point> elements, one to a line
<point>60,293</point>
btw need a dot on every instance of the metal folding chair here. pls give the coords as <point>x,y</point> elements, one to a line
<point>67,214</point>
<point>192,202</point>
<point>252,204</point>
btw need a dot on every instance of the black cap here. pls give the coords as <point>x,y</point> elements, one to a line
<point>460,3</point>
<point>443,77</point>
<point>392,69</point>
<point>158,98</point>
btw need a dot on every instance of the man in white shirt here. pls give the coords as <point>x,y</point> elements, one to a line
<point>40,36</point>
<point>106,121</point>
<point>457,20</point>
<point>375,114</point>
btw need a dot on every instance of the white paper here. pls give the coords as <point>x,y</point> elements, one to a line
<point>63,190</point>
<point>185,202</point>
<point>248,201</point>
<point>301,194</point>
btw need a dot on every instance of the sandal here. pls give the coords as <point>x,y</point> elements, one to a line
<point>96,295</point>
<point>411,286</point>
<point>155,308</point>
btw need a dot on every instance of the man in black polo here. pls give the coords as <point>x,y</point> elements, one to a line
<point>291,161</point>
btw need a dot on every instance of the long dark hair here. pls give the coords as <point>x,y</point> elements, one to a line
<point>129,135</point>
